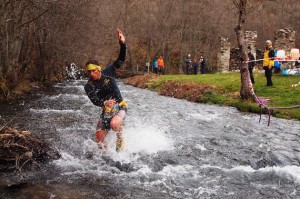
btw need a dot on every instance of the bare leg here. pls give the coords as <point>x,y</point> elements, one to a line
<point>116,125</point>
<point>100,138</point>
<point>119,141</point>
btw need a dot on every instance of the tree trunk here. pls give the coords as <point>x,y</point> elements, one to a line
<point>42,55</point>
<point>246,85</point>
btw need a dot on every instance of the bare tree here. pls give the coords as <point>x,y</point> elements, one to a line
<point>246,85</point>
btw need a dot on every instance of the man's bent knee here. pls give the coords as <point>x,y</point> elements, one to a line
<point>117,120</point>
<point>116,123</point>
<point>100,135</point>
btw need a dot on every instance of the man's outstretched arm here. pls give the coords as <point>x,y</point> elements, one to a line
<point>121,59</point>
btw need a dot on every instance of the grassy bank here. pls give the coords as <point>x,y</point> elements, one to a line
<point>223,89</point>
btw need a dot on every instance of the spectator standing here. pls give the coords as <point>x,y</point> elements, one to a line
<point>188,63</point>
<point>251,65</point>
<point>203,64</point>
<point>161,65</point>
<point>268,62</point>
<point>155,66</point>
<point>195,66</point>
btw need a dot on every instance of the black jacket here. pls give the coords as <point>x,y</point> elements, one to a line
<point>251,58</point>
<point>106,87</point>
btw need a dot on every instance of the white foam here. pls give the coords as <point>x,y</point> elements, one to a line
<point>91,146</point>
<point>68,160</point>
<point>78,164</point>
<point>290,171</point>
<point>85,127</point>
<point>147,139</point>
<point>144,170</point>
<point>68,96</point>
<point>141,139</point>
<point>68,86</point>
<point>138,140</point>
<point>247,169</point>
<point>53,111</point>
<point>201,116</point>
<point>201,147</point>
<point>127,91</point>
<point>201,190</point>
<point>171,170</point>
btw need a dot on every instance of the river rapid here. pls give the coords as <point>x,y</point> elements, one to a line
<point>173,149</point>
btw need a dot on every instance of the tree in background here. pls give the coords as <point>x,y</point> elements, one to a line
<point>246,85</point>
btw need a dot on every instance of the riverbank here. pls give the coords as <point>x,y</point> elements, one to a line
<point>223,89</point>
<point>23,89</point>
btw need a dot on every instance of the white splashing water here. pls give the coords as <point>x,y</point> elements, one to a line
<point>291,172</point>
<point>139,140</point>
<point>147,139</point>
<point>48,111</point>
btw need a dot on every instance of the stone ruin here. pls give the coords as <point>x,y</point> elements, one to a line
<point>223,56</point>
<point>285,39</point>
<point>250,40</point>
<point>234,63</point>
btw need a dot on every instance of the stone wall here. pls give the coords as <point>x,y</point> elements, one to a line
<point>250,40</point>
<point>235,58</point>
<point>223,56</point>
<point>284,39</point>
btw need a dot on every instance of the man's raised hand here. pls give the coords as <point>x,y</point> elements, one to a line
<point>120,36</point>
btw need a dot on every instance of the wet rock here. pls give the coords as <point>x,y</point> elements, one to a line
<point>160,162</point>
<point>89,155</point>
<point>125,167</point>
<point>262,163</point>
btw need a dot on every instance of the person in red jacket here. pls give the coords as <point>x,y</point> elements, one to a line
<point>161,65</point>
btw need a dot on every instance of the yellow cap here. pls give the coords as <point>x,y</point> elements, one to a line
<point>93,67</point>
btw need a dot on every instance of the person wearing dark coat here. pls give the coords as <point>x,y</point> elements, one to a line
<point>251,65</point>
<point>188,64</point>
<point>195,66</point>
<point>203,64</point>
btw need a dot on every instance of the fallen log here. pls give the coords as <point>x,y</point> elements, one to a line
<point>20,150</point>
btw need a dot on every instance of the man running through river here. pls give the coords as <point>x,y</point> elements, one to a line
<point>103,91</point>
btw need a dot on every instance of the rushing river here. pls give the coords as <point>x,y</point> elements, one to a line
<point>173,149</point>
